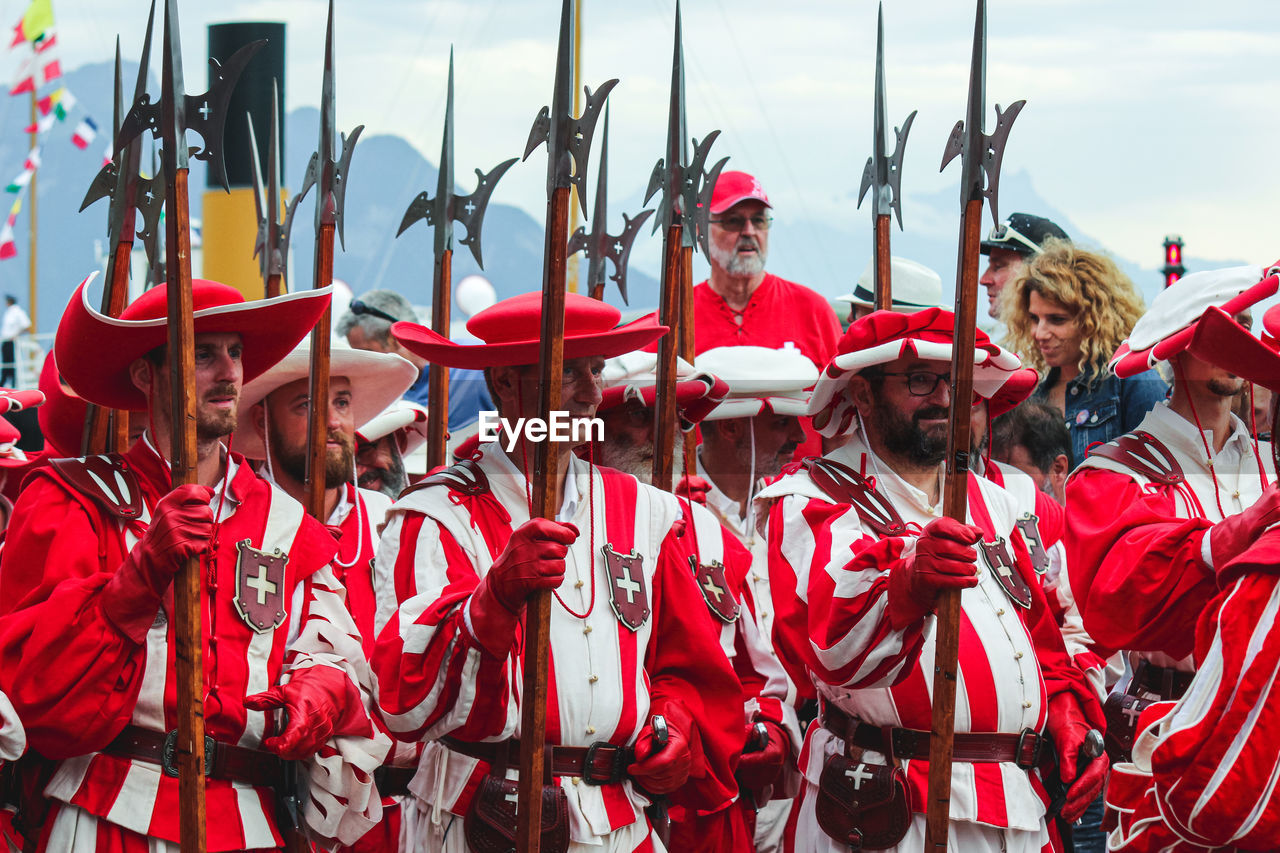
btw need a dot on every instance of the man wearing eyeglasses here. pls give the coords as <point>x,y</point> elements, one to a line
<point>741,304</point>
<point>860,538</point>
<point>1008,247</point>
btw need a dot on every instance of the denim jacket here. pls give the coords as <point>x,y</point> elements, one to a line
<point>1109,409</point>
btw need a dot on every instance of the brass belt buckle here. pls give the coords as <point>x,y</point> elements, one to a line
<point>169,754</point>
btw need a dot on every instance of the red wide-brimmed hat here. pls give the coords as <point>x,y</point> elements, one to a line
<point>94,351</point>
<point>883,336</point>
<point>512,331</point>
<point>1013,392</point>
<point>63,414</point>
<point>1220,340</point>
<point>1169,324</point>
<point>634,376</point>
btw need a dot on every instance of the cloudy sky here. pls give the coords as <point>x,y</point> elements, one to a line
<point>1144,117</point>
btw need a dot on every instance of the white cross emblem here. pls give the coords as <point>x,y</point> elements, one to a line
<point>628,585</point>
<point>204,110</point>
<point>710,586</point>
<point>859,775</point>
<point>260,583</point>
<point>1132,713</point>
<point>469,207</point>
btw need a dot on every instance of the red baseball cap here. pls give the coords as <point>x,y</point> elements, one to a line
<point>734,187</point>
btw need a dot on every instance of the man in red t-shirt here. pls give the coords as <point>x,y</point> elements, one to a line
<point>741,304</point>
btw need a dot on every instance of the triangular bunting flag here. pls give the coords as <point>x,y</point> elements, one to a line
<point>85,133</point>
<point>36,22</point>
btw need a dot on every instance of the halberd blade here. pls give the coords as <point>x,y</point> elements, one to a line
<point>469,210</point>
<point>259,195</point>
<point>980,154</point>
<point>883,172</point>
<point>206,113</point>
<point>568,139</point>
<point>599,245</point>
<point>420,208</point>
<point>686,186</point>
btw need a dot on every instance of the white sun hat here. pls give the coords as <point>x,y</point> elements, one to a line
<point>377,380</point>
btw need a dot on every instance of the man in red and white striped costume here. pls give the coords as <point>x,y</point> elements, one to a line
<point>1153,516</point>
<point>1203,770</point>
<point>628,641</point>
<point>272,430</point>
<point>274,420</point>
<point>1041,521</point>
<point>861,538</point>
<point>86,650</point>
<point>722,567</point>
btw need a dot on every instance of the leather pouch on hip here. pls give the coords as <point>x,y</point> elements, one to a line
<point>490,824</point>
<point>865,806</point>
<point>1121,711</point>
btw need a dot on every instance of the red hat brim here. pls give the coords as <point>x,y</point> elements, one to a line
<point>94,351</point>
<point>695,397</point>
<point>1016,389</point>
<point>1221,341</point>
<point>437,349</point>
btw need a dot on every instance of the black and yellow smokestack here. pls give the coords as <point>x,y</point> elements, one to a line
<point>230,223</point>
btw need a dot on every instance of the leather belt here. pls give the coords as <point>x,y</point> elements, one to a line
<point>393,781</point>
<point>602,763</point>
<point>1165,681</point>
<point>221,760</point>
<point>973,747</point>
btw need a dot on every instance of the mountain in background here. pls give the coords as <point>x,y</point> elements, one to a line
<point>386,173</point>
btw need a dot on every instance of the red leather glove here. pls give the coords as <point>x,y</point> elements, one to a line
<point>533,559</point>
<point>944,559</point>
<point>1232,536</point>
<point>661,771</point>
<point>1068,727</point>
<point>321,702</point>
<point>181,527</point>
<point>760,768</point>
<point>694,488</point>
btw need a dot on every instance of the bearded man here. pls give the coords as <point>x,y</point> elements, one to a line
<point>859,552</point>
<point>722,567</point>
<point>741,304</point>
<point>1154,516</point>
<point>87,643</point>
<point>383,443</point>
<point>273,427</point>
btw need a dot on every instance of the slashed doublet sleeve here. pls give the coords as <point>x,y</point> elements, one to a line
<point>1136,567</point>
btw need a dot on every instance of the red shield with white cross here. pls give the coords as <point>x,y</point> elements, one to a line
<point>627,592</point>
<point>1000,560</point>
<point>260,588</point>
<point>715,590</point>
<point>1029,527</point>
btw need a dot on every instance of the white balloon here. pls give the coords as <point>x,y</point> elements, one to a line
<point>474,294</point>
